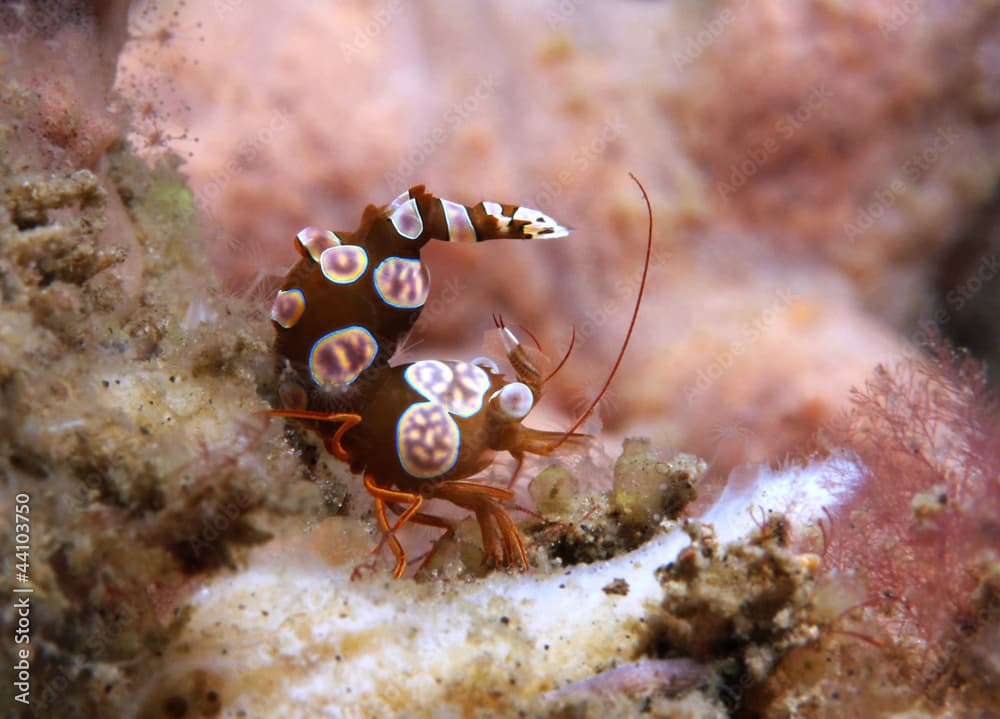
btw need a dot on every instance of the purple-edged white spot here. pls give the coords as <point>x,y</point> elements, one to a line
<point>398,200</point>
<point>315,240</point>
<point>344,264</point>
<point>402,282</point>
<point>288,307</point>
<point>460,228</point>
<point>459,387</point>
<point>407,221</point>
<point>427,440</point>
<point>337,359</point>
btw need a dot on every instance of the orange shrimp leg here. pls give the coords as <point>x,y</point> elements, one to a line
<point>493,519</point>
<point>347,420</point>
<point>429,520</point>
<point>382,495</point>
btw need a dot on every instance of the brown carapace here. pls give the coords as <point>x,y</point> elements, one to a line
<point>421,430</point>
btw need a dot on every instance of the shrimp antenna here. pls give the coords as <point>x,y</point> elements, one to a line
<point>631,325</point>
<point>569,350</point>
<point>498,321</point>
<point>531,334</point>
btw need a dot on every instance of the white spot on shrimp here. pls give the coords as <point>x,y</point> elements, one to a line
<point>407,221</point>
<point>427,440</point>
<point>460,228</point>
<point>344,264</point>
<point>459,387</point>
<point>402,282</point>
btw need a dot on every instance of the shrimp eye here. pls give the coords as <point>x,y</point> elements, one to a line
<point>487,364</point>
<point>514,400</point>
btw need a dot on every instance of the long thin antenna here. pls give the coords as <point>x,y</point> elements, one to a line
<point>631,325</point>
<point>531,334</point>
<point>569,350</point>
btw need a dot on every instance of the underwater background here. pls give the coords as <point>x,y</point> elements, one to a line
<point>812,372</point>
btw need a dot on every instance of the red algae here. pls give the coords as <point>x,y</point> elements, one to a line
<point>922,529</point>
<point>909,562</point>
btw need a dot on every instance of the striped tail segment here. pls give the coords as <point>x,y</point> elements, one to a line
<point>418,215</point>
